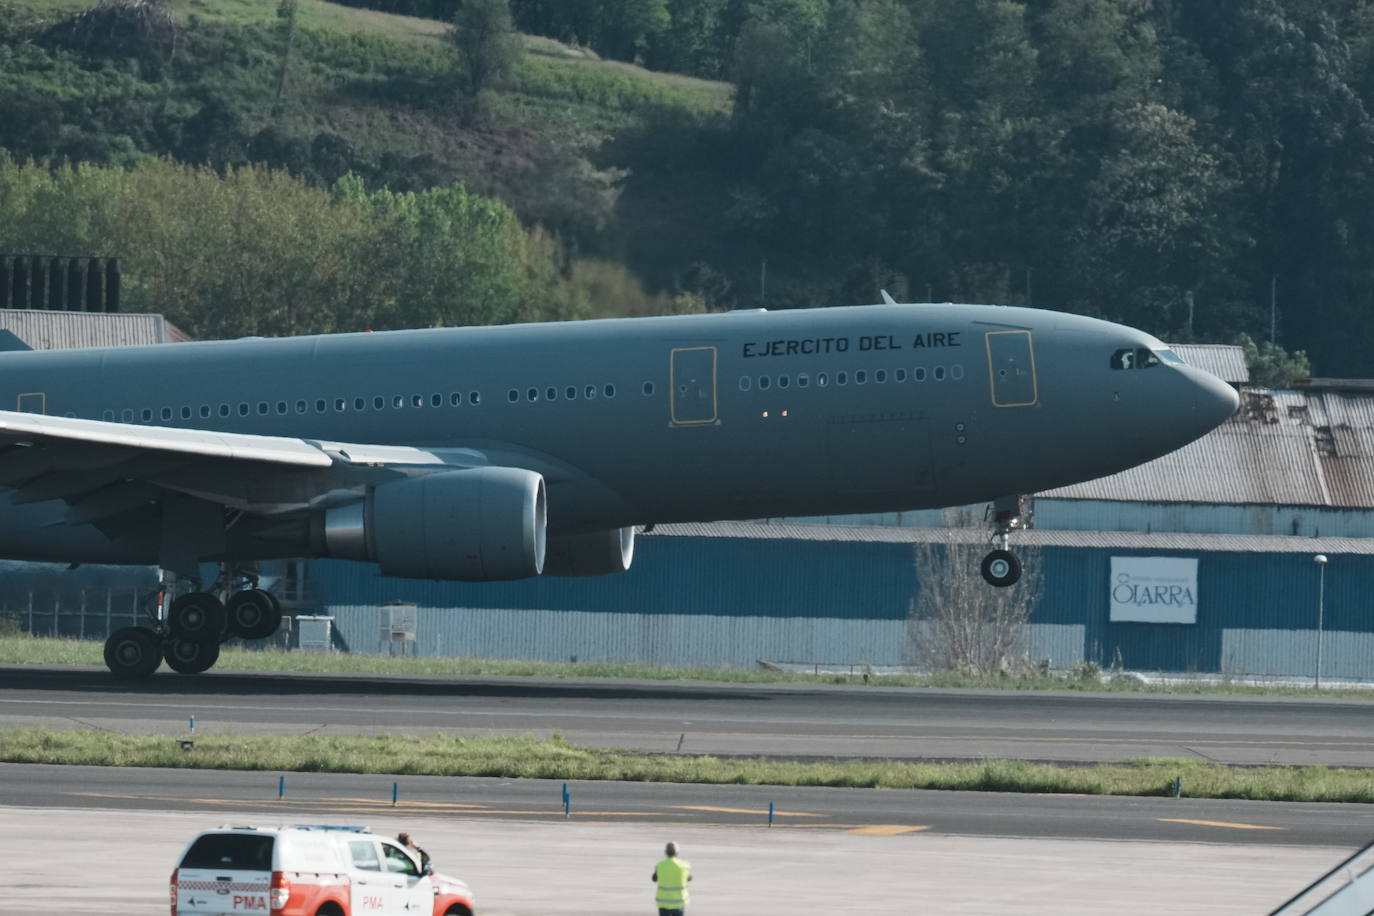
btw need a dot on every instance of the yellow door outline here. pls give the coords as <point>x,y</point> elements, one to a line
<point>992,378</point>
<point>22,407</point>
<point>672,387</point>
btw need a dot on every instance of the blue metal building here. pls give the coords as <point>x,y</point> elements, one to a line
<point>732,594</point>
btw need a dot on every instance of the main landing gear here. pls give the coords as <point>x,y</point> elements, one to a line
<point>1000,567</point>
<point>189,634</point>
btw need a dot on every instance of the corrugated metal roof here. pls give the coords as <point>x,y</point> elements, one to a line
<point>1224,361</point>
<point>1034,537</point>
<point>1307,448</point>
<point>47,330</point>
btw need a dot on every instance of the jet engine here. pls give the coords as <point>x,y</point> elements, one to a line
<point>474,525</point>
<point>596,553</point>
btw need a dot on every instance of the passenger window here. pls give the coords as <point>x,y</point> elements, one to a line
<point>610,391</point>
<point>900,375</point>
<point>590,392</point>
<point>745,383</point>
<point>532,395</point>
<point>360,403</point>
<point>803,380</point>
<point>108,416</point>
<point>822,380</point>
<point>398,862</point>
<point>302,406</point>
<point>321,405</point>
<point>340,404</point>
<point>880,376</point>
<point>570,393</point>
<point>919,374</point>
<point>938,373</point>
<point>128,415</point>
<point>551,393</point>
<point>379,402</point>
<point>364,855</point>
<point>436,400</point>
<point>513,395</point>
<point>264,408</point>
<point>185,412</point>
<point>474,398</point>
<point>166,413</point>
<point>860,377</point>
<point>417,400</point>
<point>764,383</point>
<point>956,372</point>
<point>281,407</point>
<point>398,401</point>
<point>243,408</point>
<point>205,411</point>
<point>224,410</point>
<point>648,389</point>
<point>455,399</point>
<point>147,415</point>
<point>841,378</point>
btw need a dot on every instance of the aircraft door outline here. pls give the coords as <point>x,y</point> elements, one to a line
<point>692,396</point>
<point>32,402</point>
<point>1012,380</point>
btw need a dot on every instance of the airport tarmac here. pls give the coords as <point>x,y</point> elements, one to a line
<point>118,864</point>
<point>795,721</point>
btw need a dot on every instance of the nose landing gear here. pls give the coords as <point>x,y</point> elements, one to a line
<point>1001,568</point>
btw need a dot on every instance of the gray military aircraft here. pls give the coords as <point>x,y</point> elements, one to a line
<point>494,453</point>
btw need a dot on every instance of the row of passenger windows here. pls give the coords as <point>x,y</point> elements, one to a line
<point>570,393</point>
<point>302,406</point>
<point>859,377</point>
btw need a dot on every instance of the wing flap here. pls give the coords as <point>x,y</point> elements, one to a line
<point>17,428</point>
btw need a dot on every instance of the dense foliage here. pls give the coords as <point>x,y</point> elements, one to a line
<point>1176,166</point>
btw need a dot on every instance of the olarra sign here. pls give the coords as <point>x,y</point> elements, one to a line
<point>1153,590</point>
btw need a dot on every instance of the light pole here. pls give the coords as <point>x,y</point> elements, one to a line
<point>1320,560</point>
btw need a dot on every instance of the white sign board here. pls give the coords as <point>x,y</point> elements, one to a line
<point>1153,590</point>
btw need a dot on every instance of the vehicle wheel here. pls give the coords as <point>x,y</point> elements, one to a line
<point>132,652</point>
<point>457,910</point>
<point>191,656</point>
<point>253,614</point>
<point>198,615</point>
<point>1001,568</point>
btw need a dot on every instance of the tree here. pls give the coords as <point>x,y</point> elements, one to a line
<point>958,622</point>
<point>486,45</point>
<point>1270,365</point>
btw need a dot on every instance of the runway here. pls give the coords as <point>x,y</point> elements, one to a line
<point>783,721</point>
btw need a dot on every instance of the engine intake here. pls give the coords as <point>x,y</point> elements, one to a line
<point>596,553</point>
<point>473,525</point>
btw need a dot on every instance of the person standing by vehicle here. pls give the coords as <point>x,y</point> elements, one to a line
<point>405,840</point>
<point>671,875</point>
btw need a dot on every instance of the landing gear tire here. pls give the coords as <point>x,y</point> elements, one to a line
<point>253,614</point>
<point>1001,568</point>
<point>197,616</point>
<point>133,652</point>
<point>191,656</point>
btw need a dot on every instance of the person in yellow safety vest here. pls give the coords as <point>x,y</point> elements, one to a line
<point>671,875</point>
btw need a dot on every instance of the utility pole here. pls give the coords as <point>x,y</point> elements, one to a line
<point>1320,560</point>
<point>1273,306</point>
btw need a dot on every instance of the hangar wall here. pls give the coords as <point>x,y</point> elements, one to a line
<point>733,593</point>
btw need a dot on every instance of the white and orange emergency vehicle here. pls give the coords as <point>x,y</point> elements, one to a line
<point>309,871</point>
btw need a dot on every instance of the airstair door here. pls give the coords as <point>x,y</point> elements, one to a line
<point>1011,368</point>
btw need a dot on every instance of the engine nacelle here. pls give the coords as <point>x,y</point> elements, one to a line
<point>597,553</point>
<point>474,525</point>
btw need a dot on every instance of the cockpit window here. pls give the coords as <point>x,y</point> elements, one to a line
<point>1135,358</point>
<point>1170,357</point>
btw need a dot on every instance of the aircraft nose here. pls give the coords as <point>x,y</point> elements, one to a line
<point>1214,401</point>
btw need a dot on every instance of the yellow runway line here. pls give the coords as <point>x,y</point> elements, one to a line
<point>1227,824</point>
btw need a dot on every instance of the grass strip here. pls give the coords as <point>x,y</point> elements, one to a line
<point>556,758</point>
<point>23,649</point>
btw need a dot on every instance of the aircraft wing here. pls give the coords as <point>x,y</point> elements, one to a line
<point>104,469</point>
